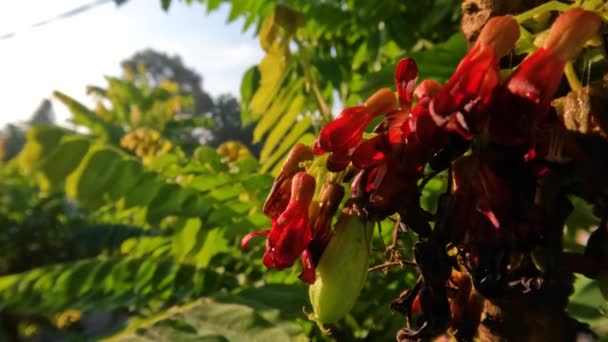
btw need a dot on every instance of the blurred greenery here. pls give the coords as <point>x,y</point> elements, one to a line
<point>127,225</point>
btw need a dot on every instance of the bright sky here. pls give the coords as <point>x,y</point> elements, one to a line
<point>69,54</point>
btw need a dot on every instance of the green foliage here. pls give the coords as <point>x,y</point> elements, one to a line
<point>253,315</point>
<point>135,217</point>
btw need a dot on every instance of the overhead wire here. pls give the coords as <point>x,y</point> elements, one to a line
<point>68,14</point>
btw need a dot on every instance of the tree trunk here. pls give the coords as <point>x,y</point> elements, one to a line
<point>475,13</point>
<point>524,317</point>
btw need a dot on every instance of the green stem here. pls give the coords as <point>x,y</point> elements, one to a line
<point>326,116</point>
<point>546,7</point>
<point>573,81</point>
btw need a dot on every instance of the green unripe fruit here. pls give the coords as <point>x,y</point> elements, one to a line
<point>342,269</point>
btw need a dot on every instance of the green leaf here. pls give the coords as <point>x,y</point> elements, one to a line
<point>85,117</point>
<point>144,190</point>
<point>95,176</point>
<point>129,172</point>
<point>62,161</point>
<point>93,284</point>
<point>209,319</point>
<point>273,69</point>
<point>586,301</point>
<point>213,5</point>
<point>249,84</point>
<point>168,201</point>
<point>208,156</point>
<point>206,182</point>
<point>214,243</point>
<point>186,239</point>
<point>276,110</point>
<point>41,141</point>
<point>438,62</point>
<point>279,131</point>
<point>290,140</point>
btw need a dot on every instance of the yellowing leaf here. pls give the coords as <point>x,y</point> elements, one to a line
<point>268,33</point>
<point>279,132</point>
<point>273,69</point>
<point>278,107</point>
<point>298,129</point>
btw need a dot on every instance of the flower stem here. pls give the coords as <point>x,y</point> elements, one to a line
<point>573,81</point>
<point>326,116</point>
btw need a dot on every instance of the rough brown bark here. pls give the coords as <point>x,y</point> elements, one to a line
<point>475,13</point>
<point>539,317</point>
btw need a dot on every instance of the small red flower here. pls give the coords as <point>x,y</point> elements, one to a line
<point>345,131</point>
<point>291,232</point>
<point>279,195</point>
<point>405,80</point>
<point>390,136</point>
<point>342,135</point>
<point>461,105</point>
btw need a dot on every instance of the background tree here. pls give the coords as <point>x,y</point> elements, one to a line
<point>12,137</point>
<point>43,115</point>
<point>157,67</point>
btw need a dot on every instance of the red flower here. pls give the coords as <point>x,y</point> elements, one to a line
<point>461,105</point>
<point>524,100</point>
<point>405,80</point>
<point>375,150</point>
<point>346,130</point>
<point>371,152</point>
<point>290,233</point>
<point>279,195</point>
<point>343,134</point>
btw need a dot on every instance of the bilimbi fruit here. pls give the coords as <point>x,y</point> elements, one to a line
<point>342,269</point>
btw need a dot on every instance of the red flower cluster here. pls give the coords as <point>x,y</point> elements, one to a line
<point>300,226</point>
<point>420,125</point>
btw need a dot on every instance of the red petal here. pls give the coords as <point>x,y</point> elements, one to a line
<point>468,91</point>
<point>525,98</point>
<point>371,152</point>
<point>405,80</point>
<point>289,236</point>
<point>316,148</point>
<point>426,90</point>
<point>308,269</point>
<point>248,237</point>
<point>346,131</point>
<point>355,186</point>
<point>489,214</point>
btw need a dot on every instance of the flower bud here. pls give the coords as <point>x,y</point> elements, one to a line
<point>501,33</point>
<point>570,31</point>
<point>342,270</point>
<point>406,75</point>
<point>381,102</point>
<point>281,188</point>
